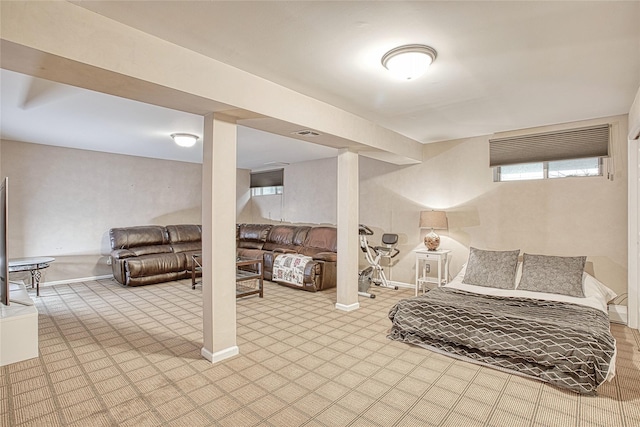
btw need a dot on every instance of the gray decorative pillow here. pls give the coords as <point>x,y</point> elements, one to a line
<point>493,269</point>
<point>553,274</point>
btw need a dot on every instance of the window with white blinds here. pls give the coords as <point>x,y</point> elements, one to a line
<point>573,152</point>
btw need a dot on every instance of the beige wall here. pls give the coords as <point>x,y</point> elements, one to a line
<point>566,217</point>
<point>63,202</point>
<point>570,216</point>
<point>309,196</point>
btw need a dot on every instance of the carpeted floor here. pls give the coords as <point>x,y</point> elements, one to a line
<point>117,356</point>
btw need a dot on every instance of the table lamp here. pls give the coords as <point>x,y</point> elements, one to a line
<point>435,220</point>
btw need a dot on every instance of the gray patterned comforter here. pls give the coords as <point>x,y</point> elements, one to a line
<point>565,344</point>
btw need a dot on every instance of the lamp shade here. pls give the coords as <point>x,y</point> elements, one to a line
<point>434,219</point>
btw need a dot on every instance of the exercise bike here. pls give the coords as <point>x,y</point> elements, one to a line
<point>375,273</point>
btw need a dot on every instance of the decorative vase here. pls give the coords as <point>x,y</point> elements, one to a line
<point>432,241</point>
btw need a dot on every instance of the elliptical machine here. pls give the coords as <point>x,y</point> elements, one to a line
<point>375,273</point>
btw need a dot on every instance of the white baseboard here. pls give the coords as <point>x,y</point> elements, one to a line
<point>79,279</point>
<point>402,284</point>
<point>618,314</point>
<point>349,307</point>
<point>220,355</point>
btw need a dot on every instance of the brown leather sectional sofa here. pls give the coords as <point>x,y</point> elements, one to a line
<point>267,241</point>
<point>153,254</point>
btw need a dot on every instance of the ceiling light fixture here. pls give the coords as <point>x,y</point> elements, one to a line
<point>184,139</point>
<point>409,61</point>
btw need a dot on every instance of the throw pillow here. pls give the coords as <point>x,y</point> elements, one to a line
<point>553,274</point>
<point>494,269</point>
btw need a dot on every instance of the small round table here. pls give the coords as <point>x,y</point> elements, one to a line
<point>34,265</point>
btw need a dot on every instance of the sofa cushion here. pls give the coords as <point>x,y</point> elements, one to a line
<point>326,256</point>
<point>249,244</point>
<point>253,232</point>
<point>249,253</point>
<point>122,253</point>
<point>184,233</point>
<point>187,247</point>
<point>150,250</point>
<point>300,235</point>
<point>131,237</point>
<point>325,238</point>
<point>149,265</point>
<point>156,278</point>
<point>280,236</point>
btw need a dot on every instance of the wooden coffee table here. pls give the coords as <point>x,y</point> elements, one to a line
<point>196,267</point>
<point>243,275</point>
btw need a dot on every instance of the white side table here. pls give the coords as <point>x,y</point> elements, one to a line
<point>423,256</point>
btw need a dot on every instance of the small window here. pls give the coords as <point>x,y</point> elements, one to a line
<point>267,183</point>
<point>549,170</point>
<point>576,167</point>
<point>267,191</point>
<point>520,172</point>
<point>549,155</point>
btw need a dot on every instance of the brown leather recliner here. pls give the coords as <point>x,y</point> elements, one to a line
<point>152,254</point>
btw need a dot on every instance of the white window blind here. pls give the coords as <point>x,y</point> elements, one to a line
<point>592,141</point>
<point>272,178</point>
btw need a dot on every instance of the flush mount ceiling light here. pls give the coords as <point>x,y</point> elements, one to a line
<point>409,61</point>
<point>184,139</point>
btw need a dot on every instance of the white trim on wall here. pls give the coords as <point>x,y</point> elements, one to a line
<point>77,280</point>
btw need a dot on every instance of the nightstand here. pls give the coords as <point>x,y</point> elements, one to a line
<point>423,257</point>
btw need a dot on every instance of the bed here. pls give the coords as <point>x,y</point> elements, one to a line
<point>543,318</point>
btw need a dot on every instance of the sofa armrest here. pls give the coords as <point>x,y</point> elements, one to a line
<point>283,251</point>
<point>326,256</point>
<point>122,253</point>
<point>320,275</point>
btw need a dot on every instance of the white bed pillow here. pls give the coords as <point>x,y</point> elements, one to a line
<point>596,294</point>
<point>593,287</point>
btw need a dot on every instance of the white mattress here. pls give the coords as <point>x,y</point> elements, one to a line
<point>597,295</point>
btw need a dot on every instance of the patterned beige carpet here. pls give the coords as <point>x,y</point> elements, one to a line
<point>114,356</point>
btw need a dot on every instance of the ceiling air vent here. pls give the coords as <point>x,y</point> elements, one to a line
<point>306,132</point>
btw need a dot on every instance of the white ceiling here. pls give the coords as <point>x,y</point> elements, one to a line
<point>44,112</point>
<point>500,66</point>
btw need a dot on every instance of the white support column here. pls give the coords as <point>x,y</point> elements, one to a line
<point>348,246</point>
<point>218,238</point>
<point>633,312</point>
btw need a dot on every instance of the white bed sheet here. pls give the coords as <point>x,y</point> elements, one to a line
<point>597,295</point>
